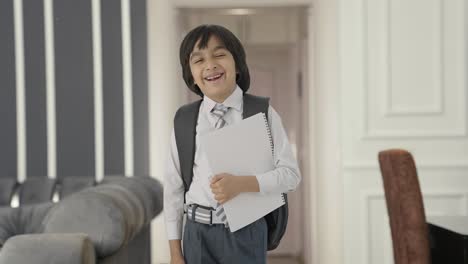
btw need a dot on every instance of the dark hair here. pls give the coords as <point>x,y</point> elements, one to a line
<point>230,41</point>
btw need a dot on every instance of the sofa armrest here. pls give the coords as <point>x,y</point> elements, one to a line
<point>111,214</point>
<point>48,249</point>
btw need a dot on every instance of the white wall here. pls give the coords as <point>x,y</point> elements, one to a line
<point>403,84</point>
<point>164,98</point>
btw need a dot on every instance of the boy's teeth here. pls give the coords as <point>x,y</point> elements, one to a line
<point>213,77</point>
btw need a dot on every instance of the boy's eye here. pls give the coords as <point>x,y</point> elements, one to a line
<point>197,60</point>
<point>220,55</point>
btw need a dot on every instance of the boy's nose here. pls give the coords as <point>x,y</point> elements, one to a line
<point>211,66</point>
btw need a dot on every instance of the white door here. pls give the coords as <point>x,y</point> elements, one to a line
<point>403,85</point>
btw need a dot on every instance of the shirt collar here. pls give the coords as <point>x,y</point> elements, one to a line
<point>234,101</point>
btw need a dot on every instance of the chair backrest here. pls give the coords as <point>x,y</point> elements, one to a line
<point>405,207</point>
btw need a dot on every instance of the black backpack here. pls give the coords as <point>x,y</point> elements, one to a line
<point>185,122</point>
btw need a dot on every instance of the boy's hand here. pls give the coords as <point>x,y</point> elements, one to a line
<point>177,260</point>
<point>176,251</point>
<point>226,186</point>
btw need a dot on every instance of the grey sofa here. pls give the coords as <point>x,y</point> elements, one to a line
<point>105,223</point>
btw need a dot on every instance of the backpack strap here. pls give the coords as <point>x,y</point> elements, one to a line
<point>185,123</point>
<point>254,105</point>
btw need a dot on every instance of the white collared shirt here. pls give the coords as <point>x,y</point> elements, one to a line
<point>284,178</point>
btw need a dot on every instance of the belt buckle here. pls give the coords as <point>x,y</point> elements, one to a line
<point>194,212</point>
<point>194,208</point>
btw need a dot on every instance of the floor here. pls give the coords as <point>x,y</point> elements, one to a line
<point>283,260</point>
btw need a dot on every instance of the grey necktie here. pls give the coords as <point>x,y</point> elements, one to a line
<point>219,111</point>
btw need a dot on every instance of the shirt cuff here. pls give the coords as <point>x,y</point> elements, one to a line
<point>266,182</point>
<point>174,230</point>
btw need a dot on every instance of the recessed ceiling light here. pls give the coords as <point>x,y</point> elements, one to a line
<point>240,11</point>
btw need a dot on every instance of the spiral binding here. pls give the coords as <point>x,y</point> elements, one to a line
<point>270,138</point>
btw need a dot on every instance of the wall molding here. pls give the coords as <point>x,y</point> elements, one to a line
<point>369,165</point>
<point>370,133</point>
<point>438,107</point>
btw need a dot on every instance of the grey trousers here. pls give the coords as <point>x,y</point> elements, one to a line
<point>205,244</point>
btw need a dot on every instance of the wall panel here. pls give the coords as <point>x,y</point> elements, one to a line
<point>112,87</point>
<point>8,152</point>
<point>35,88</point>
<point>59,94</point>
<point>140,90</point>
<point>74,88</point>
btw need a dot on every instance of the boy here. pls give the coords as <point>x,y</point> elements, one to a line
<point>214,67</point>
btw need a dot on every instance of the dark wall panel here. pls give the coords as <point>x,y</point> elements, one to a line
<point>74,88</point>
<point>112,87</point>
<point>140,87</point>
<point>35,88</point>
<point>8,152</point>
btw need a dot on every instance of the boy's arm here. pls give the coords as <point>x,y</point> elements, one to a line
<point>286,175</point>
<point>173,194</point>
<point>176,250</point>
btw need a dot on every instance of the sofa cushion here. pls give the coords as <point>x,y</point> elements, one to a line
<point>36,190</point>
<point>7,224</point>
<point>22,220</point>
<point>30,217</point>
<point>73,184</point>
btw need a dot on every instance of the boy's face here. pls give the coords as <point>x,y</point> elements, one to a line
<point>213,69</point>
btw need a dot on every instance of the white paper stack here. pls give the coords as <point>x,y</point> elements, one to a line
<point>242,149</point>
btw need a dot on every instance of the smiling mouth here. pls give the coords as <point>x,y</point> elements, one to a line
<point>214,77</point>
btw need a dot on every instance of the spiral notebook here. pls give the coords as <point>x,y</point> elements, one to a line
<point>244,148</point>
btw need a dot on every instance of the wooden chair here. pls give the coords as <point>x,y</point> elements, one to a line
<point>405,207</point>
